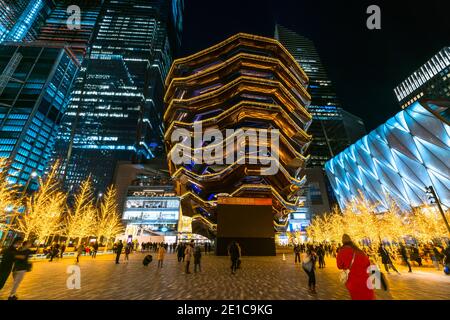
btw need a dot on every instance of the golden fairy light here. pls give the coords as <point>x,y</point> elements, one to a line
<point>108,222</point>
<point>81,219</point>
<point>361,221</point>
<point>44,209</point>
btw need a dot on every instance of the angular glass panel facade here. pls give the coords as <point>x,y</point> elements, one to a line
<point>399,158</point>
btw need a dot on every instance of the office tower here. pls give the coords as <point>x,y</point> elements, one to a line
<point>430,81</point>
<point>399,159</point>
<point>35,87</point>
<point>333,129</point>
<point>77,37</point>
<point>147,200</point>
<point>250,83</point>
<point>20,20</point>
<point>116,110</point>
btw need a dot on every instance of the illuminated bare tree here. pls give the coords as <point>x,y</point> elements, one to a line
<point>108,220</point>
<point>80,220</point>
<point>44,209</point>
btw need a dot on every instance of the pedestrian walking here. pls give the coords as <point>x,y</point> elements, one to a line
<point>386,259</point>
<point>160,256</point>
<point>8,257</point>
<point>62,249</point>
<point>197,259</point>
<point>21,266</point>
<point>321,256</point>
<point>128,250</point>
<point>404,254</point>
<point>354,262</point>
<point>54,251</point>
<point>95,250</point>
<point>436,257</point>
<point>80,251</point>
<point>187,255</point>
<point>180,252</point>
<point>446,254</point>
<point>119,248</point>
<point>235,255</point>
<point>297,250</point>
<point>309,259</point>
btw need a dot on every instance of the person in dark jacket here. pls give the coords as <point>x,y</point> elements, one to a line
<point>446,254</point>
<point>197,259</point>
<point>309,259</point>
<point>404,254</point>
<point>234,253</point>
<point>8,256</point>
<point>119,251</point>
<point>21,266</point>
<point>180,252</point>
<point>415,256</point>
<point>95,249</point>
<point>386,259</point>
<point>321,255</point>
<point>297,250</point>
<point>62,249</point>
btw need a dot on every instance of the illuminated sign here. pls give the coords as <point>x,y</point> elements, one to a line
<point>245,201</point>
<point>152,193</point>
<point>298,216</point>
<point>152,204</point>
<point>153,215</point>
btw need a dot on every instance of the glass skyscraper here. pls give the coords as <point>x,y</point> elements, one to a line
<point>333,129</point>
<point>35,87</point>
<point>116,110</point>
<point>430,81</point>
<point>55,28</point>
<point>20,20</point>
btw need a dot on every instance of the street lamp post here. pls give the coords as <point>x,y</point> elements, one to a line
<point>13,218</point>
<point>433,196</point>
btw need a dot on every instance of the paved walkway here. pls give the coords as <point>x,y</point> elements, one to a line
<point>268,278</point>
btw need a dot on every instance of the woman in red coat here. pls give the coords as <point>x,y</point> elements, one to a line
<point>358,276</point>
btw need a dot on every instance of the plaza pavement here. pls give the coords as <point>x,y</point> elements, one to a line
<point>267,278</point>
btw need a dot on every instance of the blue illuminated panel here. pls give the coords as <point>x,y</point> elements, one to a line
<point>400,158</point>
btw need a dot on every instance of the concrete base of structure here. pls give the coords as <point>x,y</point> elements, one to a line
<point>249,222</point>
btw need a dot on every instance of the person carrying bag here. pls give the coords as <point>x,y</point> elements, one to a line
<point>355,264</point>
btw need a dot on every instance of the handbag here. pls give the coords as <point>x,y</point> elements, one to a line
<point>29,266</point>
<point>307,264</point>
<point>343,276</point>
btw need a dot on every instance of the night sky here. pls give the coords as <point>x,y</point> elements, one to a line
<point>365,65</point>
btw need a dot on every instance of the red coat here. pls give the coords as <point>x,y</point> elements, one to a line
<point>357,278</point>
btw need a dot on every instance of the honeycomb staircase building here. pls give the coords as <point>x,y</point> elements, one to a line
<point>250,83</point>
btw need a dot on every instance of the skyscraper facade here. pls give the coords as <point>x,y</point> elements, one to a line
<point>60,26</point>
<point>333,129</point>
<point>20,20</point>
<point>116,110</point>
<point>35,87</point>
<point>430,81</point>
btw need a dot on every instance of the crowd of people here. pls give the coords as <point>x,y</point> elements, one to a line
<point>185,251</point>
<point>355,261</point>
<point>350,257</point>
